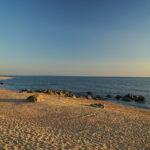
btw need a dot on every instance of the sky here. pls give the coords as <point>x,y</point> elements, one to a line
<point>75,37</point>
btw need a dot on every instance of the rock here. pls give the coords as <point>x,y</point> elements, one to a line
<point>98,105</point>
<point>108,96</point>
<point>32,91</point>
<point>2,83</point>
<point>26,90</point>
<point>58,92</point>
<point>70,94</point>
<point>98,97</point>
<point>38,91</point>
<point>130,96</point>
<point>44,91</point>
<point>55,93</point>
<point>125,98</point>
<point>81,97</point>
<point>73,96</point>
<point>66,92</point>
<point>90,93</point>
<point>89,97</point>
<point>49,91</point>
<point>118,97</point>
<point>140,99</point>
<point>34,98</point>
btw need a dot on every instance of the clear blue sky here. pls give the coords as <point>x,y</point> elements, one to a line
<point>75,37</point>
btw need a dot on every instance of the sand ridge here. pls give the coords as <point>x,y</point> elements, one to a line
<point>66,123</point>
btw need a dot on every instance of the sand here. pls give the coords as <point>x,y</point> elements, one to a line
<point>6,77</point>
<point>66,123</point>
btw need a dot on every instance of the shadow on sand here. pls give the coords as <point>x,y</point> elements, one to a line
<point>97,105</point>
<point>13,100</point>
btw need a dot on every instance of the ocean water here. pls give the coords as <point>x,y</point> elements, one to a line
<point>98,85</point>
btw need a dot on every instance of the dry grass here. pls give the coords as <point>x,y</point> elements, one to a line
<point>66,123</point>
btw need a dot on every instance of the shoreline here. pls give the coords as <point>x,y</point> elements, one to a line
<point>84,99</point>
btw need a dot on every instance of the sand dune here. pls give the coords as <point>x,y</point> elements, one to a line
<point>66,123</point>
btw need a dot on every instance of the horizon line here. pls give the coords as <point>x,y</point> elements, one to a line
<point>82,76</point>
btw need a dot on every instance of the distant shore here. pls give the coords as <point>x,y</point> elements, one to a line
<point>6,77</point>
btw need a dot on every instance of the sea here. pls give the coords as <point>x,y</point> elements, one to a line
<point>78,84</point>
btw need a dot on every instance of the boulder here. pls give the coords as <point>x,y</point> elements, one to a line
<point>98,97</point>
<point>130,96</point>
<point>126,98</point>
<point>49,91</point>
<point>73,96</point>
<point>38,91</point>
<point>90,93</point>
<point>66,92</point>
<point>70,94</point>
<point>140,99</point>
<point>44,91</point>
<point>34,98</point>
<point>118,97</point>
<point>55,92</point>
<point>2,83</point>
<point>89,97</point>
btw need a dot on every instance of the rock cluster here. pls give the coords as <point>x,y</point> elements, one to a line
<point>89,95</point>
<point>129,97</point>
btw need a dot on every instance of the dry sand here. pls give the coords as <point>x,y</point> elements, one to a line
<point>66,123</point>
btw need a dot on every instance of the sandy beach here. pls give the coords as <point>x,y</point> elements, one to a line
<point>67,123</point>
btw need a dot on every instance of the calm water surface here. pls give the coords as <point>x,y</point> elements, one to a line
<point>98,85</point>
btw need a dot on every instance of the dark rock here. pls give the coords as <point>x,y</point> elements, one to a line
<point>98,105</point>
<point>66,92</point>
<point>58,92</point>
<point>89,97</point>
<point>49,91</point>
<point>126,98</point>
<point>81,97</point>
<point>108,96</point>
<point>55,93</point>
<point>73,96</point>
<point>140,99</point>
<point>70,94</point>
<point>26,90</point>
<point>118,97</point>
<point>34,98</point>
<point>98,97</point>
<point>44,91</point>
<point>2,83</point>
<point>130,96</point>
<point>38,91</point>
<point>32,91</point>
<point>90,93</point>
